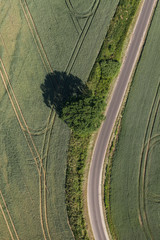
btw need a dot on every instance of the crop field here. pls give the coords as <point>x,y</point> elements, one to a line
<point>135,179</point>
<point>37,38</point>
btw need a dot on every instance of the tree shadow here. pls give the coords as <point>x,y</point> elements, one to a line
<point>59,88</point>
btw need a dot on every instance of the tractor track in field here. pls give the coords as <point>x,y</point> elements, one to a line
<point>34,132</point>
<point>143,165</point>
<point>3,79</point>
<point>36,36</point>
<point>80,39</point>
<point>86,14</point>
<point>4,43</point>
<point>17,104</point>
<point>76,24</point>
<point>44,152</point>
<point>32,144</point>
<point>4,216</point>
<point>9,216</point>
<point>152,138</point>
<point>47,66</point>
<point>38,168</point>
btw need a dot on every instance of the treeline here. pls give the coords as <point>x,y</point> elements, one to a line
<point>84,114</point>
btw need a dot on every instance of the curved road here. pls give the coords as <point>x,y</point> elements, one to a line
<point>94,193</point>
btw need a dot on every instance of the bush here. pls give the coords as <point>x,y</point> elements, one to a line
<point>94,77</point>
<point>84,115</point>
<point>109,68</point>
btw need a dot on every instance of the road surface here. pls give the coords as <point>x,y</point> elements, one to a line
<point>94,194</point>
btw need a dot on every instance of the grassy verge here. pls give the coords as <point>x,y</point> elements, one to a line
<point>103,73</point>
<point>108,180</point>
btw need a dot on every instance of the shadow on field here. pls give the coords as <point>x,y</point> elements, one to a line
<point>59,88</point>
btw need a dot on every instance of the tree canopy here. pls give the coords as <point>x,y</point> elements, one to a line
<point>73,101</point>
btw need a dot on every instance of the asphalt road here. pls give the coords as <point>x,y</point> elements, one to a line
<point>94,195</point>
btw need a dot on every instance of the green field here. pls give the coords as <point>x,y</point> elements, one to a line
<point>37,38</point>
<point>135,181</point>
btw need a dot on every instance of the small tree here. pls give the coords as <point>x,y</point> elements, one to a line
<point>84,115</point>
<point>109,68</point>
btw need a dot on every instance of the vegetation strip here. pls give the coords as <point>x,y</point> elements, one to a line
<point>104,71</point>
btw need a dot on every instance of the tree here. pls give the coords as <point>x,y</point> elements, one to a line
<point>73,101</point>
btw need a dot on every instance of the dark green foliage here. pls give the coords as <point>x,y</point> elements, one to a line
<point>74,182</point>
<point>109,68</point>
<point>113,44</point>
<point>60,88</point>
<point>95,77</point>
<point>73,102</point>
<point>84,115</point>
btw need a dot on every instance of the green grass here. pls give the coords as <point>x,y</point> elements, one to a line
<point>134,194</point>
<point>107,183</point>
<point>36,38</point>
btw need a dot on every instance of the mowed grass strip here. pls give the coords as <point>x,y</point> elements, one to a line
<point>134,195</point>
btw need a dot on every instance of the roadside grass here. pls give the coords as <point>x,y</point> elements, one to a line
<point>134,177</point>
<point>108,171</point>
<point>37,38</point>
